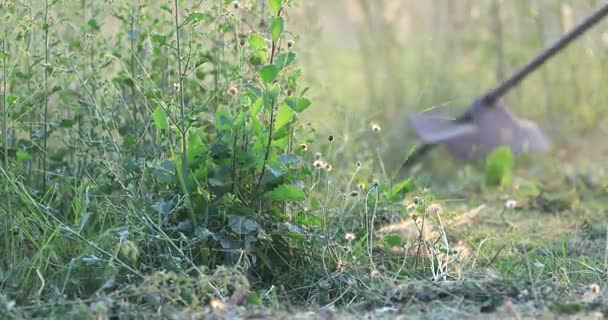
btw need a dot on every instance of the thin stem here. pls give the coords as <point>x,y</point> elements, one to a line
<point>269,144</point>
<point>183,128</point>
<point>46,92</point>
<point>4,104</point>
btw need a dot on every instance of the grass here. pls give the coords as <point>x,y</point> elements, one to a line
<point>162,166</point>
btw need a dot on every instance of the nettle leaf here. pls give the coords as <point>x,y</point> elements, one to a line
<point>298,104</point>
<point>286,192</point>
<point>242,225</point>
<point>275,6</point>
<point>160,118</point>
<point>256,42</point>
<point>284,59</point>
<point>276,28</point>
<point>269,73</point>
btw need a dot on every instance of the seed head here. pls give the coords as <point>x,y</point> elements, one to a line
<point>354,193</point>
<point>376,183</point>
<point>331,139</point>
<point>510,204</point>
<point>434,208</point>
<point>233,91</point>
<point>376,127</point>
<point>216,304</point>
<point>176,86</point>
<point>319,164</point>
<point>290,43</point>
<point>594,288</point>
<point>358,164</point>
<point>318,155</point>
<point>236,5</point>
<point>328,167</point>
<point>349,236</point>
<point>303,146</point>
<point>242,41</point>
<point>416,200</point>
<point>361,186</point>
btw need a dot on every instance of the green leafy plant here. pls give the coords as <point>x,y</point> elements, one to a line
<point>498,167</point>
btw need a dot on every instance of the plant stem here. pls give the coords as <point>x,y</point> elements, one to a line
<point>183,128</point>
<point>46,92</point>
<point>4,105</point>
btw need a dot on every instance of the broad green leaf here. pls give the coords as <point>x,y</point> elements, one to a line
<point>499,164</point>
<point>275,6</point>
<point>223,119</point>
<point>67,123</point>
<point>269,73</point>
<point>93,24</point>
<point>280,135</point>
<point>160,118</point>
<point>392,240</point>
<point>284,59</point>
<point>276,28</point>
<point>256,42</point>
<point>196,148</point>
<point>288,159</point>
<point>23,156</point>
<point>165,172</point>
<point>309,220</point>
<point>194,18</point>
<point>286,192</point>
<point>283,117</point>
<point>254,299</point>
<point>159,39</point>
<point>272,93</point>
<point>400,188</point>
<point>298,104</point>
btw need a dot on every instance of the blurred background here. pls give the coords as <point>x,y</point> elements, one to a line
<point>380,60</point>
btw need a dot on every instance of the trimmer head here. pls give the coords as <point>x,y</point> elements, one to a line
<point>487,129</point>
<point>488,124</point>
